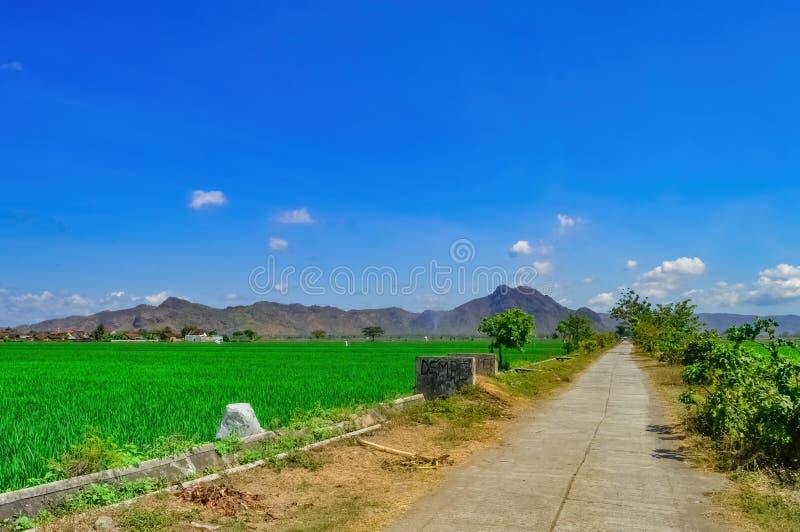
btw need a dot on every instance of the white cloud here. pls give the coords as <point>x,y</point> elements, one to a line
<point>632,264</point>
<point>156,299</point>
<point>773,286</point>
<point>684,265</point>
<point>565,222</point>
<point>602,301</point>
<point>665,279</point>
<point>297,216</point>
<point>203,198</point>
<point>522,247</point>
<point>781,283</point>
<point>543,267</point>
<point>13,65</point>
<point>564,301</point>
<point>278,244</point>
<point>587,280</point>
<point>32,307</point>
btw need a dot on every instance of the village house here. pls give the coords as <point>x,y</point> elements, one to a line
<point>204,337</point>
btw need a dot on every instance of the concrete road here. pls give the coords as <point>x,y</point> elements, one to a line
<point>596,457</point>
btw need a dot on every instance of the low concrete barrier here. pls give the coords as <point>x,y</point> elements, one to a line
<point>29,501</point>
<point>485,363</point>
<point>443,376</point>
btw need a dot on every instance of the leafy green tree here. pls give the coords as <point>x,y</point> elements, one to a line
<point>317,334</point>
<point>512,329</point>
<point>372,332</point>
<point>99,334</point>
<point>250,334</point>
<point>573,330</point>
<point>187,330</point>
<point>629,310</point>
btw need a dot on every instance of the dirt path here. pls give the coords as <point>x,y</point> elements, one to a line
<point>596,457</point>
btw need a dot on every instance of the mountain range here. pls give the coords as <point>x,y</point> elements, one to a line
<point>278,320</point>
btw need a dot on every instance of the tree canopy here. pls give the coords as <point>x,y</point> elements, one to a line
<point>574,329</point>
<point>372,332</point>
<point>511,329</point>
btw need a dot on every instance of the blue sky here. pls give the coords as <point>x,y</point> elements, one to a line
<point>666,134</point>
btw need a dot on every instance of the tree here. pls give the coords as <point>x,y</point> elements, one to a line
<point>99,333</point>
<point>187,330</point>
<point>511,329</point>
<point>250,334</point>
<point>630,308</point>
<point>372,332</point>
<point>166,333</point>
<point>573,330</point>
<point>317,334</point>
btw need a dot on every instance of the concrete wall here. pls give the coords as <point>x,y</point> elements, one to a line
<point>485,363</point>
<point>443,376</point>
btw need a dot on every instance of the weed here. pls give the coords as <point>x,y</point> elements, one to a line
<point>229,445</point>
<point>94,453</point>
<point>145,520</point>
<point>104,494</point>
<point>299,459</point>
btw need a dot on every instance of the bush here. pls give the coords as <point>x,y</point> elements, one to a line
<point>749,403</point>
<point>94,453</point>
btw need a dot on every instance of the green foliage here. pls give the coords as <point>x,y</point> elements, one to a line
<point>99,334</point>
<point>372,332</point>
<point>22,523</point>
<point>747,402</point>
<point>574,330</point>
<point>597,341</point>
<point>94,453</point>
<point>317,334</point>
<point>145,394</point>
<point>630,308</point>
<point>104,494</point>
<point>231,444</point>
<point>511,329</point>
<point>664,330</point>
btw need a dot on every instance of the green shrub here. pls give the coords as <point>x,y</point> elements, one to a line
<point>749,403</point>
<point>94,453</point>
<point>104,494</point>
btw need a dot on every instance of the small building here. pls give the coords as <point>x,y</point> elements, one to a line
<point>9,334</point>
<point>203,338</point>
<point>74,335</point>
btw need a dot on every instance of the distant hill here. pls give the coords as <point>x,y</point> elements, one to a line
<point>276,320</point>
<point>789,323</point>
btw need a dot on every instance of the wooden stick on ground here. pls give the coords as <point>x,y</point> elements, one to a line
<point>398,452</point>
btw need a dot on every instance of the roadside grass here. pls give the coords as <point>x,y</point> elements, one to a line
<point>764,499</point>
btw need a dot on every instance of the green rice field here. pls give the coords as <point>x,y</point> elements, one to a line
<point>786,351</point>
<point>53,394</point>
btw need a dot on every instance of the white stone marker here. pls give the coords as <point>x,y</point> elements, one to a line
<point>239,419</point>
